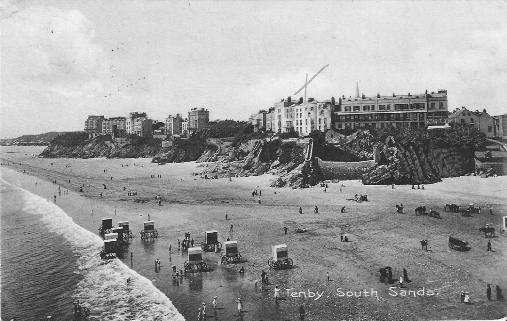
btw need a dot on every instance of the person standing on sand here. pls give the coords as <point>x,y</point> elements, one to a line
<point>499,295</point>
<point>343,209</point>
<point>240,306</point>
<point>489,244</point>
<point>226,217</point>
<point>300,210</point>
<point>231,229</point>
<point>285,229</point>
<point>277,294</point>
<point>488,292</point>
<point>302,312</point>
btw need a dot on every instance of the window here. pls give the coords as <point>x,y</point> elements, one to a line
<point>366,108</point>
<point>400,106</point>
<point>381,107</point>
<point>441,105</point>
<point>347,108</point>
<point>388,107</point>
<point>432,106</point>
<point>357,108</point>
<point>490,129</point>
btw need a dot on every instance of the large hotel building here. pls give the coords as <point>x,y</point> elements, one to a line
<point>397,111</point>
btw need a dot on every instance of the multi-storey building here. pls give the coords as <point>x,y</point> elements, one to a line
<point>115,126</point>
<point>269,119</point>
<point>93,125</point>
<point>184,128</point>
<point>283,117</point>
<point>502,126</point>
<point>198,118</point>
<point>478,119</point>
<point>391,111</point>
<point>142,126</point>
<point>173,125</point>
<point>130,121</point>
<point>258,120</point>
<point>313,115</point>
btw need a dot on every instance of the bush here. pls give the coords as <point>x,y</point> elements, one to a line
<point>70,139</point>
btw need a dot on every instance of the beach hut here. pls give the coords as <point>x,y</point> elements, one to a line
<point>109,250</point>
<point>106,226</point>
<point>211,242</point>
<point>111,236</point>
<point>119,231</point>
<point>231,253</point>
<point>149,231</point>
<point>195,262</point>
<point>124,225</point>
<point>127,233</point>
<point>280,258</point>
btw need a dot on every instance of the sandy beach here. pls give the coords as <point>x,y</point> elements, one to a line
<point>378,236</point>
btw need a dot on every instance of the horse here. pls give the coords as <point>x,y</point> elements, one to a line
<point>399,209</point>
<point>487,230</point>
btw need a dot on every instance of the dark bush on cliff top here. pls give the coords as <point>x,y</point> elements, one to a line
<point>70,139</point>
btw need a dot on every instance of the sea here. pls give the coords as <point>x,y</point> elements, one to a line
<point>49,261</point>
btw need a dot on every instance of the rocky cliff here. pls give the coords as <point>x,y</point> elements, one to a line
<point>77,145</point>
<point>414,163</point>
<point>285,158</point>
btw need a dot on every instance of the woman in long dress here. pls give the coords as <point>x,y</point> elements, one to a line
<point>240,306</point>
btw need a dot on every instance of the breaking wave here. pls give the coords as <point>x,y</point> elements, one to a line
<point>103,286</point>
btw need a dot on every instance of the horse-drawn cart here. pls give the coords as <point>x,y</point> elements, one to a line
<point>231,253</point>
<point>458,245</point>
<point>211,243</point>
<point>149,231</point>
<point>280,259</point>
<point>195,262</point>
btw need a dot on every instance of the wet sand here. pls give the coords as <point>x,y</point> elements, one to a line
<point>379,238</point>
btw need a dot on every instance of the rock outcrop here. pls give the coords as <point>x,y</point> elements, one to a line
<point>417,163</point>
<point>102,146</point>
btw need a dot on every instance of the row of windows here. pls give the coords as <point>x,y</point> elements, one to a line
<point>378,125</point>
<point>406,116</point>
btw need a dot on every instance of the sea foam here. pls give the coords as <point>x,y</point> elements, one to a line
<point>103,286</point>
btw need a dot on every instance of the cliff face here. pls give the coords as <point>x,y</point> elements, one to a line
<point>260,156</point>
<point>101,147</point>
<point>417,164</point>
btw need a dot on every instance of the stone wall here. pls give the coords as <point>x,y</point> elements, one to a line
<point>343,170</point>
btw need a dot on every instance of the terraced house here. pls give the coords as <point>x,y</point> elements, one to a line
<point>391,111</point>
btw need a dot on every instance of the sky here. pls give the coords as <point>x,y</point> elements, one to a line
<point>64,60</point>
